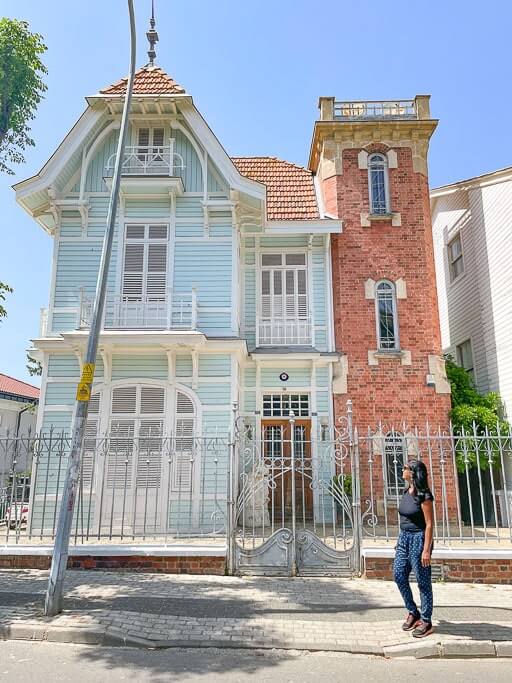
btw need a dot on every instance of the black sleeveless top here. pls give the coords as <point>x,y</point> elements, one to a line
<point>411,514</point>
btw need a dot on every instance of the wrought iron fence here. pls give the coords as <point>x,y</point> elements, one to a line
<point>470,476</point>
<point>176,489</point>
<point>151,487</point>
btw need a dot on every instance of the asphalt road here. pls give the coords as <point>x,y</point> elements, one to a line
<point>55,663</point>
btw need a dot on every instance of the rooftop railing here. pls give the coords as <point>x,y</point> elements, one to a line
<point>374,110</point>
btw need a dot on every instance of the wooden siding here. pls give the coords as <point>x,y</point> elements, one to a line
<point>316,275</point>
<point>477,305</point>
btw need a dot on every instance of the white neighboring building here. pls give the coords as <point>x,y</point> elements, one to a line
<point>472,233</point>
<point>17,401</point>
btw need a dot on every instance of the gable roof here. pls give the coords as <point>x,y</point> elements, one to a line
<point>290,188</point>
<point>148,80</point>
<point>9,385</point>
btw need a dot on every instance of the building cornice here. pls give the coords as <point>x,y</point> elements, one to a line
<point>499,176</point>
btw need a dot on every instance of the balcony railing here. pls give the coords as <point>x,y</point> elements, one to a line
<point>284,332</point>
<point>175,311</point>
<point>157,161</point>
<point>371,110</point>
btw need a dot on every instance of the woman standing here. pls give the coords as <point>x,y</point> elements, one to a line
<point>414,548</point>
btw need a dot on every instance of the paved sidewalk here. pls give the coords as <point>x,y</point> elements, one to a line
<point>351,615</point>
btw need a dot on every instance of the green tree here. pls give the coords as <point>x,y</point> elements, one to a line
<point>21,88</point>
<point>4,289</point>
<point>34,367</point>
<point>475,416</point>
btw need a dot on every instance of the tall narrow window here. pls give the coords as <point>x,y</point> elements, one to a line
<point>144,282</point>
<point>465,358</point>
<point>387,318</point>
<point>394,460</point>
<point>455,258</point>
<point>150,143</point>
<point>185,444</point>
<point>378,184</point>
<point>284,299</point>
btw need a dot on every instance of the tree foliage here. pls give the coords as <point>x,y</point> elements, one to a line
<point>477,419</point>
<point>34,367</point>
<point>4,289</point>
<point>21,88</point>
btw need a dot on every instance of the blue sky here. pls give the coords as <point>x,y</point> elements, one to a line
<point>256,70</point>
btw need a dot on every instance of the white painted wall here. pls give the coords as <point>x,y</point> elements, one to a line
<point>478,305</point>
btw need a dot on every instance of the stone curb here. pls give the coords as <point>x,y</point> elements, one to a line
<point>112,636</point>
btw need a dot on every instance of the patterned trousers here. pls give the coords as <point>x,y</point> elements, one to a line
<point>407,557</point>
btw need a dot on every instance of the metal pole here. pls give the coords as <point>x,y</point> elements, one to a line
<point>53,602</point>
<point>294,518</point>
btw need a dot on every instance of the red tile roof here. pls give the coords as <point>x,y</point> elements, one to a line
<point>9,385</point>
<point>290,189</point>
<point>149,80</point>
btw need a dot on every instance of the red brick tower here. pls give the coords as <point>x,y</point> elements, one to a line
<point>371,161</point>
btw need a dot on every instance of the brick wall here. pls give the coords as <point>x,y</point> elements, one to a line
<point>389,391</point>
<point>133,563</point>
<point>462,570</point>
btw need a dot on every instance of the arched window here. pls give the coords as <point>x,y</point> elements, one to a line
<point>394,461</point>
<point>378,184</point>
<point>387,318</point>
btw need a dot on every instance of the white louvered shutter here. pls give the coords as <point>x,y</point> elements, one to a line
<point>122,433</point>
<point>183,461</point>
<point>133,271</point>
<point>156,279</point>
<point>145,263</point>
<point>91,447</point>
<point>149,445</point>
<point>143,138</point>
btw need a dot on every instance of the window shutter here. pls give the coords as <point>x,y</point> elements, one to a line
<point>133,271</point>
<point>124,400</point>
<point>91,446</point>
<point>149,455</point>
<point>291,304</point>
<point>156,282</point>
<point>266,306</point>
<point>182,466</point>
<point>158,137</point>
<point>135,232</point>
<point>120,456</point>
<point>302,294</point>
<point>277,299</point>
<point>157,232</point>
<point>152,400</point>
<point>143,137</point>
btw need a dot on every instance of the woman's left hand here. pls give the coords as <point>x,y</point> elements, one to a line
<point>425,559</point>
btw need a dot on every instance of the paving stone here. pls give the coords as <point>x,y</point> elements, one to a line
<point>469,648</point>
<point>416,650</point>
<point>504,649</point>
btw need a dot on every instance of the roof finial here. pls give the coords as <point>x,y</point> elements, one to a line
<point>152,36</point>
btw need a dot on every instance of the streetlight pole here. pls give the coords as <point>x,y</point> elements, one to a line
<point>53,602</point>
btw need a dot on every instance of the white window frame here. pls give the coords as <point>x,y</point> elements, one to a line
<point>284,267</point>
<point>385,168</point>
<point>303,401</point>
<point>146,242</point>
<point>396,346</point>
<point>452,261</point>
<point>459,358</point>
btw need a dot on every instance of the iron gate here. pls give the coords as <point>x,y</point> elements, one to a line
<point>295,501</point>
